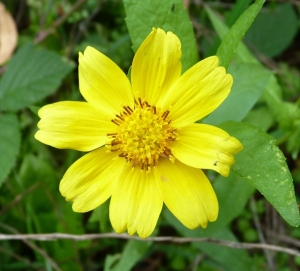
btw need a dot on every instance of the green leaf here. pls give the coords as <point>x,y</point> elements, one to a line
<point>262,163</point>
<point>272,94</point>
<point>101,215</point>
<point>250,81</point>
<point>132,253</point>
<point>271,24</point>
<point>239,7</point>
<point>31,75</point>
<point>168,15</point>
<point>10,138</point>
<point>254,117</point>
<point>233,37</point>
<point>110,260</point>
<point>225,256</point>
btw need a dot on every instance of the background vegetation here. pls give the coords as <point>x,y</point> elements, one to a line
<point>43,69</point>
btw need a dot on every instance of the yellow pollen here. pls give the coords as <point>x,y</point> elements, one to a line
<point>143,135</point>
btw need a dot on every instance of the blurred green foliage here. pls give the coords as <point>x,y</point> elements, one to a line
<point>265,97</point>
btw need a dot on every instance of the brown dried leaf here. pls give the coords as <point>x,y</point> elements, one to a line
<point>8,35</point>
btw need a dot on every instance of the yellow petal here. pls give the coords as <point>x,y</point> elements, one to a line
<point>135,203</point>
<point>102,82</point>
<point>90,180</point>
<point>205,146</point>
<point>198,92</point>
<point>187,193</point>
<point>156,65</point>
<point>74,125</point>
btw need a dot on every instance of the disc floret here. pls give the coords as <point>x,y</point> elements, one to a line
<point>143,135</point>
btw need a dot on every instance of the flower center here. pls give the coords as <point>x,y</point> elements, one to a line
<point>143,135</point>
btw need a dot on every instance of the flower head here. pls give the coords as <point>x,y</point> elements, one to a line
<point>145,148</point>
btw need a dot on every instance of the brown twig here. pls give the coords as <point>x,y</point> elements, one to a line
<point>180,240</point>
<point>284,238</point>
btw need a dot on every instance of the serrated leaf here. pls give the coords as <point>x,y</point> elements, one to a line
<point>250,81</point>
<point>31,75</point>
<point>280,21</point>
<point>10,138</point>
<point>233,37</point>
<point>141,16</point>
<point>262,163</point>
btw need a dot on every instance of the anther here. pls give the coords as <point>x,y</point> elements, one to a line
<point>154,109</point>
<point>115,122</point>
<point>165,114</point>
<point>141,103</point>
<point>120,117</point>
<point>115,142</point>
<point>128,109</point>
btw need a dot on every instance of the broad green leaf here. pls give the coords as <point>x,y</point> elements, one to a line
<point>273,93</point>
<point>132,253</point>
<point>10,138</point>
<point>239,7</point>
<point>262,163</point>
<point>233,194</point>
<point>101,216</point>
<point>229,259</point>
<point>31,75</point>
<point>273,30</point>
<point>254,117</point>
<point>110,260</point>
<point>141,16</point>
<point>293,144</point>
<point>233,37</point>
<point>224,256</point>
<point>250,81</point>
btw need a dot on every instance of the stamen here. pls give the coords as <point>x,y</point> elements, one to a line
<point>115,142</point>
<point>166,113</point>
<point>143,135</point>
<point>154,109</point>
<point>120,117</point>
<point>128,109</point>
<point>141,103</point>
<point>115,122</point>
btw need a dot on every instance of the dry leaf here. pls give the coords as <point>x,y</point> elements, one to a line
<point>8,35</point>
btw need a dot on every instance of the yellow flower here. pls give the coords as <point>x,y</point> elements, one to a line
<point>145,148</point>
